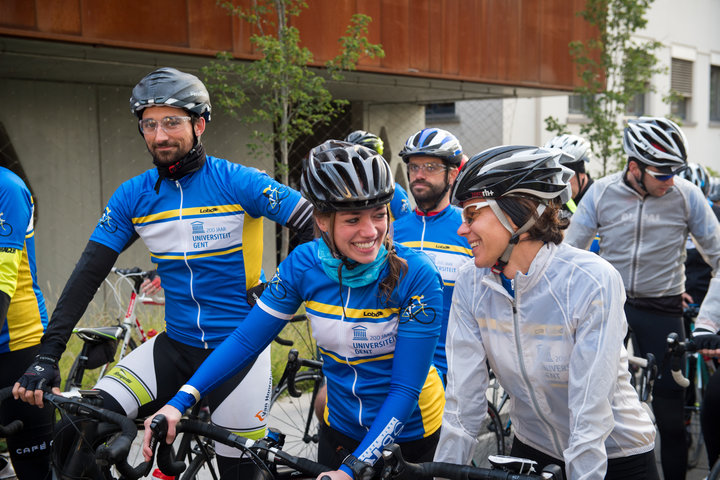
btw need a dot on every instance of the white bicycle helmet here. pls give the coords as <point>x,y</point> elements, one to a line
<point>656,142</point>
<point>697,174</point>
<point>577,147</point>
<point>433,142</point>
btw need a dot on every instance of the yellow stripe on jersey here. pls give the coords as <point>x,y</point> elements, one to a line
<point>356,362</point>
<point>10,259</point>
<point>23,317</point>
<point>432,402</point>
<point>198,255</point>
<point>351,312</point>
<point>186,212</point>
<point>439,246</point>
<point>252,239</point>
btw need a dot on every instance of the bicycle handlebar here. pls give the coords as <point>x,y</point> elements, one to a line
<point>16,425</point>
<point>397,468</point>
<point>113,453</point>
<point>294,363</point>
<point>676,350</point>
<point>166,454</point>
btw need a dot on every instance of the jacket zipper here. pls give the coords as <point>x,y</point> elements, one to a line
<point>634,264</point>
<point>525,377</point>
<point>187,264</point>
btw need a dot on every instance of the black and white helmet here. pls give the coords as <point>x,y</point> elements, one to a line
<point>697,174</point>
<point>656,142</point>
<point>366,139</point>
<point>576,146</point>
<point>342,176</point>
<point>433,142</point>
<point>520,171</point>
<point>172,88</point>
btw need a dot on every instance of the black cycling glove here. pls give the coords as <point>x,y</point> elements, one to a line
<point>705,340</point>
<point>43,374</point>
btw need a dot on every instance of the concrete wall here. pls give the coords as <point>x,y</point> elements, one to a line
<point>77,143</point>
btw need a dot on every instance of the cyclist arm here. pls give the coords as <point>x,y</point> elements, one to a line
<point>705,229</point>
<point>465,400</point>
<point>584,223</point>
<point>593,370</point>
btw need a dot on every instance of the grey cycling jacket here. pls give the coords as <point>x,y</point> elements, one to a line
<point>644,237</point>
<point>557,349</point>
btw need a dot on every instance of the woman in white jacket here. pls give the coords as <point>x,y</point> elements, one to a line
<point>549,320</point>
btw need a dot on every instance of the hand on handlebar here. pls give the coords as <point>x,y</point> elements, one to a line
<point>42,374</point>
<point>707,344</point>
<point>151,286</point>
<point>334,475</point>
<point>173,416</point>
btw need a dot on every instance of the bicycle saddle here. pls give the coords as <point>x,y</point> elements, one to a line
<point>98,334</point>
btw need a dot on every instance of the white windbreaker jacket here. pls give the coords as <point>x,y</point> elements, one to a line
<point>557,349</point>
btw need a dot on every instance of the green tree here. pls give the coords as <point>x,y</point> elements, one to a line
<point>288,94</point>
<point>614,68</point>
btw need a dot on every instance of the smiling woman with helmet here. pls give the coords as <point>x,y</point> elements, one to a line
<point>548,318</point>
<point>375,310</point>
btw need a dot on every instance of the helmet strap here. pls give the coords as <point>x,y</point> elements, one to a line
<point>191,162</point>
<point>515,238</point>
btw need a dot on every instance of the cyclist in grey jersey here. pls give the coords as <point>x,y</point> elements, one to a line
<point>643,216</point>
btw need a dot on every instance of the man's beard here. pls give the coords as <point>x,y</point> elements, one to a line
<point>167,157</point>
<point>428,198</point>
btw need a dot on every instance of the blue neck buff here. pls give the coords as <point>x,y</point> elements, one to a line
<point>362,274</point>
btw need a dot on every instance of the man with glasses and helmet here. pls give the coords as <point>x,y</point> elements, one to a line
<point>434,157</point>
<point>201,219</point>
<point>643,216</point>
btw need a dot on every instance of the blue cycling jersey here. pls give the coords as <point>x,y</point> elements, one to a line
<point>400,203</point>
<point>26,317</point>
<point>437,236</point>
<point>204,232</point>
<point>377,355</point>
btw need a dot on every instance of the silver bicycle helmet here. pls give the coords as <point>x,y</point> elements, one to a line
<point>172,88</point>
<point>577,147</point>
<point>697,174</point>
<point>433,142</point>
<point>342,176</point>
<point>366,139</point>
<point>656,142</point>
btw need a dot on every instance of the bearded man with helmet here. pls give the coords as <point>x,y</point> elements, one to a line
<point>643,216</point>
<point>433,158</point>
<point>201,220</point>
<point>547,318</point>
<point>375,312</point>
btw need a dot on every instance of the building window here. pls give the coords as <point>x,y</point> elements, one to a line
<point>636,106</point>
<point>681,80</point>
<point>577,105</point>
<point>714,93</point>
<point>440,112</point>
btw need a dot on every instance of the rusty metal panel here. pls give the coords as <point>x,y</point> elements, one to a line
<point>210,28</point>
<point>518,42</point>
<point>158,22</point>
<point>18,13</point>
<point>58,17</point>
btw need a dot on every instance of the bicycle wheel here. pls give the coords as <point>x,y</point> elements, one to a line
<point>491,441</point>
<point>295,417</point>
<point>715,472</point>
<point>696,444</point>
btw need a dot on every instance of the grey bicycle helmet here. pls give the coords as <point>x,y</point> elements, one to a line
<point>697,174</point>
<point>577,147</point>
<point>172,88</point>
<point>522,171</point>
<point>342,176</point>
<point>656,142</point>
<point>366,139</point>
<point>433,142</point>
